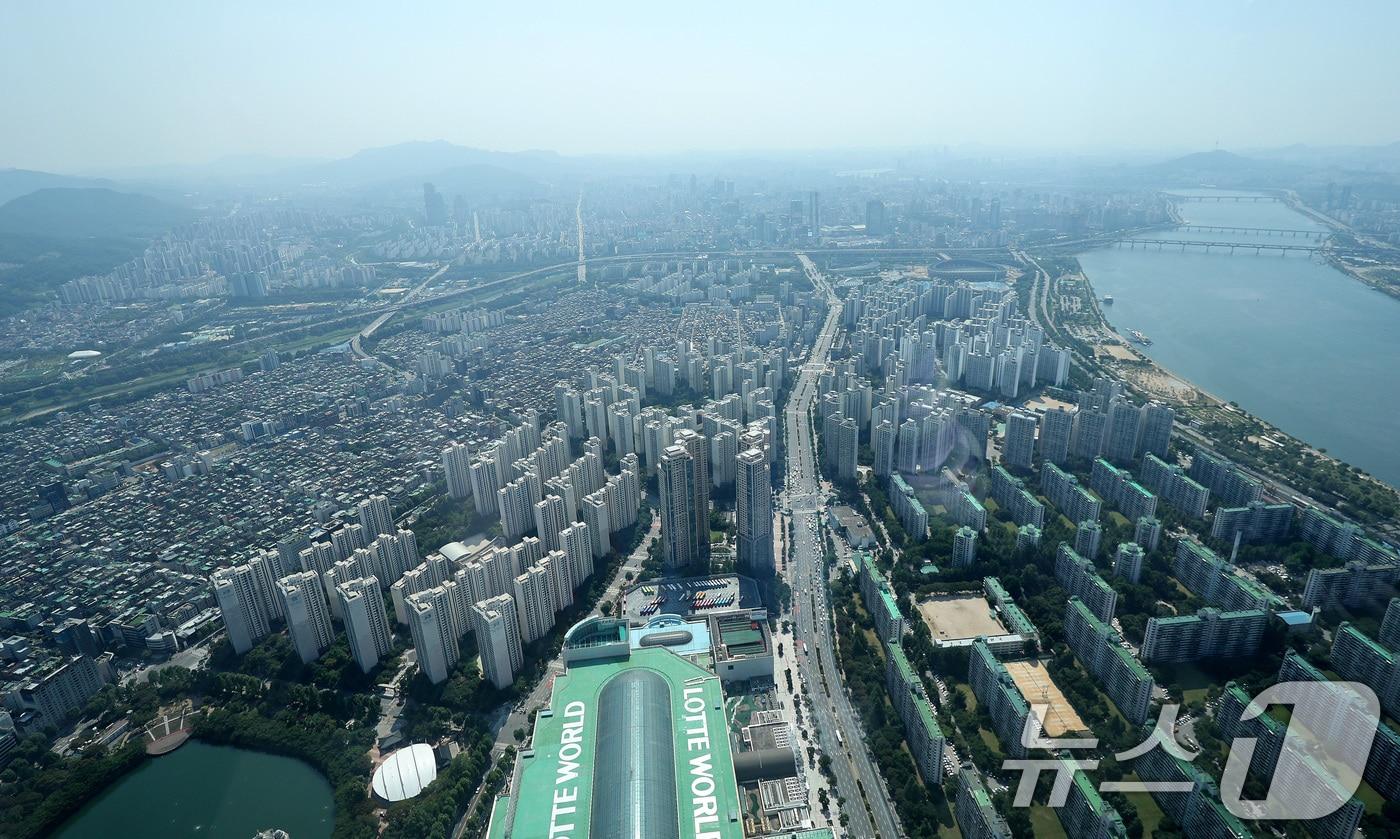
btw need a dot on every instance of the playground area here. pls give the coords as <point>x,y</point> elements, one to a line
<point>1039,689</point>
<point>951,617</point>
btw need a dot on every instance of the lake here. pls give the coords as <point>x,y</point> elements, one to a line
<point>212,792</point>
<point>1290,338</point>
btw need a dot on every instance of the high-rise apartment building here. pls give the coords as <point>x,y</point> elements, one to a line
<point>497,631</point>
<point>1020,440</point>
<point>754,513</point>
<point>308,614</point>
<point>366,623</point>
<point>457,467</point>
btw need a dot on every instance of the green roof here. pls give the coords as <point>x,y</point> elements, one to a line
<point>602,738</point>
<point>887,601</point>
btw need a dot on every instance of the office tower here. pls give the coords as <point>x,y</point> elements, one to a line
<point>1079,578</point>
<point>376,516</point>
<point>434,631</point>
<point>875,224</point>
<point>676,483</point>
<point>977,817</point>
<point>457,466</point>
<point>497,629</point>
<point>814,213</point>
<point>366,624</point>
<point>1020,440</point>
<point>1055,434</point>
<point>1148,533</point>
<point>1087,538</point>
<point>308,614</point>
<point>964,547</point>
<point>1107,659</point>
<point>243,606</point>
<point>754,513</point>
<point>534,602</point>
<point>434,207</point>
<point>1127,561</point>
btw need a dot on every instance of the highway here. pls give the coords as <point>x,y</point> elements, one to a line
<point>807,574</point>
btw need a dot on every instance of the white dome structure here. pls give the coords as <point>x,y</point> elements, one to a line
<point>406,773</point>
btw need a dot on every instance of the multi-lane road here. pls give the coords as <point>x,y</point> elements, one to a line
<point>867,807</point>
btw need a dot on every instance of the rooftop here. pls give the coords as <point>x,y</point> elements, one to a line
<point>631,747</point>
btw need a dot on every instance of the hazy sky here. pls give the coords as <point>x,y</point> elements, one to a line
<point>93,84</point>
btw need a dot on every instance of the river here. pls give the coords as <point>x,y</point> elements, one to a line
<point>212,792</point>
<point>1290,338</point>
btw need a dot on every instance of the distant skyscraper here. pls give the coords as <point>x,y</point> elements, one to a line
<point>308,614</point>
<point>1020,440</point>
<point>754,511</point>
<point>457,465</point>
<point>434,207</point>
<point>875,218</point>
<point>366,623</point>
<point>497,631</point>
<point>814,213</point>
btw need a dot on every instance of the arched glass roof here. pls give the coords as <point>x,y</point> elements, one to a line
<point>634,779</point>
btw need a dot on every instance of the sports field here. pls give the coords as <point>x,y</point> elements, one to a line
<point>1039,689</point>
<point>953,616</point>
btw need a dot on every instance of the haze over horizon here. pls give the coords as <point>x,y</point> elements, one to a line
<point>186,85</point>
